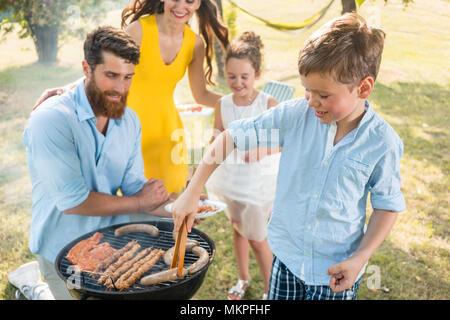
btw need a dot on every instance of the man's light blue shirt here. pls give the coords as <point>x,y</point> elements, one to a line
<point>67,158</point>
<point>319,211</point>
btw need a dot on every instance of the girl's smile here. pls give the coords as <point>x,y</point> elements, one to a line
<point>241,78</point>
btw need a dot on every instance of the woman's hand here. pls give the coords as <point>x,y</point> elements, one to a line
<point>47,94</point>
<point>57,91</point>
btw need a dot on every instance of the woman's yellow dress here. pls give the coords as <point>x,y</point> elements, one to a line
<point>151,97</point>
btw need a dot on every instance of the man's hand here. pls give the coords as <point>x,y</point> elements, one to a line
<point>152,195</point>
<point>344,274</point>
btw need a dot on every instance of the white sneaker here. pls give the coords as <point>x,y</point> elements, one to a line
<point>27,278</point>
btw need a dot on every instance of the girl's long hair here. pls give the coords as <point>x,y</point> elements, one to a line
<point>209,22</point>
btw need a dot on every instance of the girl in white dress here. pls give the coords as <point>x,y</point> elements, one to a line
<point>246,182</point>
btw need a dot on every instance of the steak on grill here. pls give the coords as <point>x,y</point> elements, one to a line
<point>88,253</point>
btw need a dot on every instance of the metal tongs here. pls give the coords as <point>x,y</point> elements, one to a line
<point>180,249</point>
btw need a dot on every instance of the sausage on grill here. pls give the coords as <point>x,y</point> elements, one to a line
<point>190,244</point>
<point>142,227</point>
<point>202,260</point>
<point>130,277</point>
<point>116,255</point>
<point>126,267</point>
<point>171,274</point>
<point>116,265</point>
<point>163,276</point>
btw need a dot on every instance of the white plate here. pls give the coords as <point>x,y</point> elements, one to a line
<point>185,112</point>
<point>220,206</point>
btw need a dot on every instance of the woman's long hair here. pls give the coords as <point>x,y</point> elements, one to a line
<point>210,24</point>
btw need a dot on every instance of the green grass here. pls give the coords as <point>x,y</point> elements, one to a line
<point>411,93</point>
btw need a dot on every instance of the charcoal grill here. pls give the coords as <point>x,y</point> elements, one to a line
<point>82,285</point>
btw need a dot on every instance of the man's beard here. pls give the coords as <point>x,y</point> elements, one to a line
<point>100,103</point>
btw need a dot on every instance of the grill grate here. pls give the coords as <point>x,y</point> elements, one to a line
<point>164,241</point>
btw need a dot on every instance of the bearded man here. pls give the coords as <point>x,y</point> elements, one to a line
<point>82,147</point>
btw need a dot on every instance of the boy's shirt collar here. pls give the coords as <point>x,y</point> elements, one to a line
<point>366,117</point>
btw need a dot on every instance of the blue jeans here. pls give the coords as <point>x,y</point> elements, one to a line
<point>284,285</point>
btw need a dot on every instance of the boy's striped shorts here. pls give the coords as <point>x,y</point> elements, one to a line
<point>284,285</point>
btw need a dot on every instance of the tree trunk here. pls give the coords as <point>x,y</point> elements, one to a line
<point>46,42</point>
<point>45,38</point>
<point>218,51</point>
<point>348,6</point>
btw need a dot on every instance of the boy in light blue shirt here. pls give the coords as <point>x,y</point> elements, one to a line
<point>335,150</point>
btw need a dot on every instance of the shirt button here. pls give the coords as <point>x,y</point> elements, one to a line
<point>325,163</point>
<point>316,196</point>
<point>309,227</point>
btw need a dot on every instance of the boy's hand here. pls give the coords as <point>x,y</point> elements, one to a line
<point>186,205</point>
<point>343,274</point>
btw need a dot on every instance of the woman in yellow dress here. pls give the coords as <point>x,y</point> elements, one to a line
<point>169,47</point>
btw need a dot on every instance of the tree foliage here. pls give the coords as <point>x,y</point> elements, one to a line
<point>360,2</point>
<point>50,21</point>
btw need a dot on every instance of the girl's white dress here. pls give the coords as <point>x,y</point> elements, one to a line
<point>248,189</point>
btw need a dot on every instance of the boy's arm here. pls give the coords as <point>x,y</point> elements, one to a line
<point>261,152</point>
<point>187,202</point>
<point>344,273</point>
<point>248,134</point>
